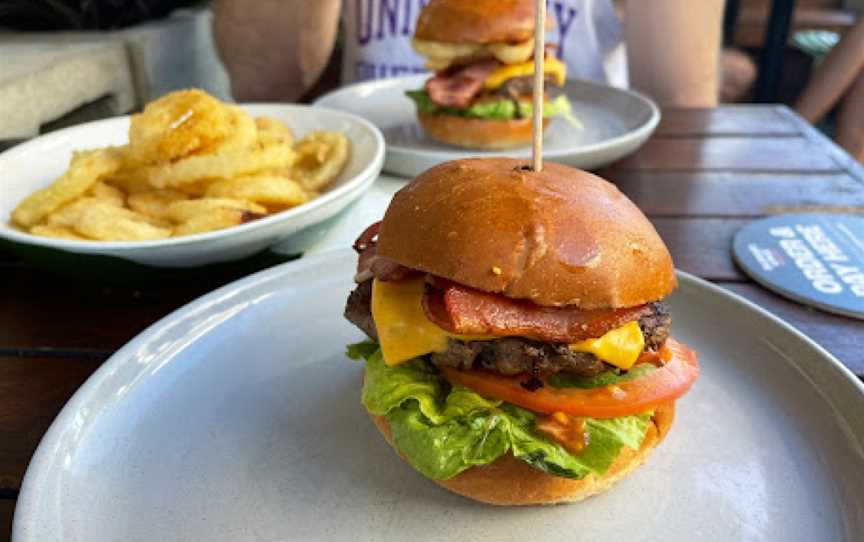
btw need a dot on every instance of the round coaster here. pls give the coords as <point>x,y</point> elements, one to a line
<point>816,259</point>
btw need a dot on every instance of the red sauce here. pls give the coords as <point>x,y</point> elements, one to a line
<point>656,357</point>
<point>569,431</point>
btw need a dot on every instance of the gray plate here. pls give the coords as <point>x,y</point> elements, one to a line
<point>238,418</point>
<point>615,123</point>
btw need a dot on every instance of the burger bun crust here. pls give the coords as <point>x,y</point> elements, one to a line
<point>470,133</point>
<point>476,21</point>
<point>557,237</point>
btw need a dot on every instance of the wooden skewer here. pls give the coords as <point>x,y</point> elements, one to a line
<point>539,54</point>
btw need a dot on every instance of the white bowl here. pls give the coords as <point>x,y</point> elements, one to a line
<point>37,163</point>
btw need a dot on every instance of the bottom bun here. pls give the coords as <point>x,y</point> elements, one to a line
<point>478,133</point>
<point>511,482</point>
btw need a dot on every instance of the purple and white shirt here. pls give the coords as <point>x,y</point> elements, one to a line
<point>588,33</point>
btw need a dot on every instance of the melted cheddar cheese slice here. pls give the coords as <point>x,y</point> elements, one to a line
<point>552,66</point>
<point>619,347</point>
<point>405,333</point>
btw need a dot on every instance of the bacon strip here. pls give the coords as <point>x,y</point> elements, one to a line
<point>368,238</point>
<point>458,86</point>
<point>466,311</point>
<point>370,264</point>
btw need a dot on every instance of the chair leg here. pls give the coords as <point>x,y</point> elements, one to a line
<point>730,21</point>
<point>771,59</point>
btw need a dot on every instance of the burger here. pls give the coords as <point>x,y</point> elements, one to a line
<point>519,346</point>
<point>482,53</point>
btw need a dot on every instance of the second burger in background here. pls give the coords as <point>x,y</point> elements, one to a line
<point>482,52</point>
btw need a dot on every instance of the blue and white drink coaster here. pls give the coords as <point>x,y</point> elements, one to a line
<point>817,259</point>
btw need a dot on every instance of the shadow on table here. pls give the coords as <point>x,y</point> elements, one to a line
<point>112,271</point>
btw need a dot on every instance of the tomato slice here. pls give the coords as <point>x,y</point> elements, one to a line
<point>667,383</point>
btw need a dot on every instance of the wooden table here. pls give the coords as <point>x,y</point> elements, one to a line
<point>701,177</point>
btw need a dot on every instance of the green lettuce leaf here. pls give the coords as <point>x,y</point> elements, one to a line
<point>493,110</point>
<point>386,388</point>
<point>361,350</point>
<point>557,107</point>
<point>603,379</point>
<point>423,102</point>
<point>503,109</point>
<point>443,431</point>
<point>443,451</point>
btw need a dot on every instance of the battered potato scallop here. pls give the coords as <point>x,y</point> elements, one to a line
<point>177,125</point>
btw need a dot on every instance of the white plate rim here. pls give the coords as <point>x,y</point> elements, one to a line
<point>355,183</point>
<point>28,503</point>
<point>642,131</point>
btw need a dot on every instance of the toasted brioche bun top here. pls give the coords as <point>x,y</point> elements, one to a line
<point>476,21</point>
<point>560,236</point>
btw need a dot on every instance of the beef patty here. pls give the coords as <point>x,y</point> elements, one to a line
<point>513,355</point>
<point>358,309</point>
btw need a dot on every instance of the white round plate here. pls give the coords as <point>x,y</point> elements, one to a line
<point>615,122</point>
<point>37,163</point>
<point>238,417</point>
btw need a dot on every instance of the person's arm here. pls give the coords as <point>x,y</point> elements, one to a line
<point>275,50</point>
<point>834,76</point>
<point>673,50</point>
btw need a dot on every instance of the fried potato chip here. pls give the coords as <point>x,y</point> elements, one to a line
<point>196,189</point>
<point>86,169</point>
<point>184,211</point>
<point>57,232</point>
<point>155,203</point>
<point>220,165</point>
<point>107,193</point>
<point>215,220</point>
<point>321,157</point>
<point>70,215</point>
<point>273,132</point>
<point>265,188</point>
<point>178,125</point>
<point>129,180</point>
<point>107,223</point>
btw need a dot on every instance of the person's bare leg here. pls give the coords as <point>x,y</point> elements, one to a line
<point>737,75</point>
<point>274,50</point>
<point>833,77</point>
<point>850,120</point>
<point>673,50</point>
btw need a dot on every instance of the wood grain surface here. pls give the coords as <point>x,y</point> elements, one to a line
<point>7,510</point>
<point>727,194</point>
<point>64,314</point>
<point>33,390</point>
<point>740,120</point>
<point>732,153</point>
